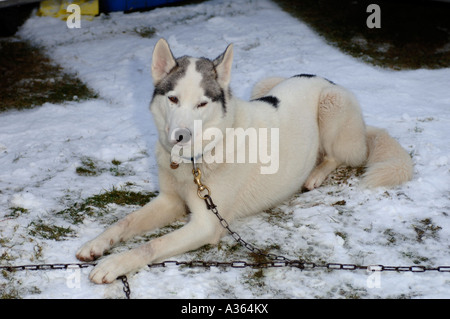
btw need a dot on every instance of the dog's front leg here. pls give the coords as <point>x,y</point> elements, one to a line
<point>203,228</point>
<point>161,211</point>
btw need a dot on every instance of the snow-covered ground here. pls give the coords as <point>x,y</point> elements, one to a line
<point>40,150</point>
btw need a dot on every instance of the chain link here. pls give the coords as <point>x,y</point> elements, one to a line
<point>240,264</point>
<point>276,261</point>
<point>295,264</point>
<point>213,208</point>
<point>279,260</point>
<point>282,261</point>
<point>126,286</point>
<point>47,266</point>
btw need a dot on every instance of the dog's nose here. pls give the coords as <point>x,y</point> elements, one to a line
<point>180,136</point>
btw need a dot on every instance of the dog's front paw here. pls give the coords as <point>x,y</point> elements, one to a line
<point>93,249</point>
<point>112,267</point>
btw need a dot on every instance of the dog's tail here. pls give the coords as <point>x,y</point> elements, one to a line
<point>388,164</point>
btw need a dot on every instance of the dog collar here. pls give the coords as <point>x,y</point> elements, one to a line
<point>175,162</point>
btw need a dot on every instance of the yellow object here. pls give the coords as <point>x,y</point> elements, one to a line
<point>58,8</point>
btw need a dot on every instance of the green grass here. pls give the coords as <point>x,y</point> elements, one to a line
<point>16,212</point>
<point>145,32</point>
<point>426,229</point>
<point>97,205</point>
<point>92,167</point>
<point>413,34</point>
<point>88,168</point>
<point>46,231</point>
<point>30,79</point>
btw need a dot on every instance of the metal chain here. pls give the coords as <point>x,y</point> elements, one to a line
<point>213,208</point>
<point>47,266</point>
<point>296,264</point>
<point>276,260</point>
<point>240,264</point>
<point>126,286</point>
<point>282,261</point>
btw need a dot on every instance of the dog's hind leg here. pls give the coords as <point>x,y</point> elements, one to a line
<point>320,173</point>
<point>342,133</point>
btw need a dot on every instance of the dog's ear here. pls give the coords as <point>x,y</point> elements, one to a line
<point>162,61</point>
<point>223,66</point>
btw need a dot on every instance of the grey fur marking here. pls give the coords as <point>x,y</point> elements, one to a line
<point>209,82</point>
<point>168,83</point>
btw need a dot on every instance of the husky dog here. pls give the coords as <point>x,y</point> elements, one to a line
<point>319,125</point>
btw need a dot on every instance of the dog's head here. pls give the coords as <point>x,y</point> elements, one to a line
<point>188,90</point>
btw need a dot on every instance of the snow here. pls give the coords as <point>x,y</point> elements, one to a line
<point>41,148</point>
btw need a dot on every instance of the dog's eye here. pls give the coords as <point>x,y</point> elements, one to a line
<point>173,99</point>
<point>202,104</point>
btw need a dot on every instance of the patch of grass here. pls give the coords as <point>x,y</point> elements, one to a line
<point>391,236</point>
<point>257,276</point>
<point>88,168</point>
<point>348,291</point>
<point>8,292</point>
<point>413,34</point>
<point>91,167</point>
<point>145,32</point>
<point>117,170</point>
<point>416,259</point>
<point>116,162</point>
<point>120,197</point>
<point>310,255</point>
<point>16,212</point>
<point>97,205</point>
<point>262,258</point>
<point>6,257</point>
<point>14,289</point>
<point>425,229</point>
<point>339,203</point>
<point>341,234</point>
<point>343,176</point>
<point>43,230</point>
<point>30,79</point>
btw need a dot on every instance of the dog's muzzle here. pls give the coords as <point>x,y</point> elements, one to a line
<point>180,136</point>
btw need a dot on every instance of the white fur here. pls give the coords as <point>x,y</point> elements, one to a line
<point>314,117</point>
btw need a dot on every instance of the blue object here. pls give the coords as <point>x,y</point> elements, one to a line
<point>129,5</point>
